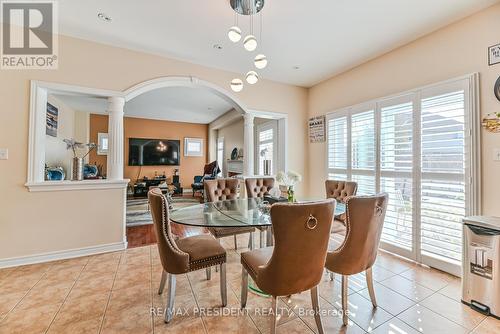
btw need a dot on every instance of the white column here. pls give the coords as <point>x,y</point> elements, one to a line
<point>115,135</point>
<point>248,143</point>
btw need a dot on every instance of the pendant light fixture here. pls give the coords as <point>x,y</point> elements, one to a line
<point>252,77</point>
<point>236,85</point>
<point>250,43</point>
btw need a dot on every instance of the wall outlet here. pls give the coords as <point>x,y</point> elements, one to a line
<point>4,153</point>
<point>496,154</point>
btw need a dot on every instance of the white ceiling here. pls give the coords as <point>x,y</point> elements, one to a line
<point>322,37</point>
<point>180,104</point>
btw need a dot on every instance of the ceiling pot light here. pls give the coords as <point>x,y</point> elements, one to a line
<point>104,17</point>
<point>234,34</point>
<point>250,43</point>
<point>260,61</point>
<point>236,85</point>
<point>252,77</point>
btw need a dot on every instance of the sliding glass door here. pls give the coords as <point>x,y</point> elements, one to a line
<point>416,147</point>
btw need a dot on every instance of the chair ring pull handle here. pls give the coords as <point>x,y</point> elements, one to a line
<point>378,210</point>
<point>312,222</point>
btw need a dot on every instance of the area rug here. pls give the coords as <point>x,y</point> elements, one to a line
<point>138,212</point>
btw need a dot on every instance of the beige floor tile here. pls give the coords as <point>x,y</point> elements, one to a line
<point>130,297</point>
<point>242,324</point>
<point>331,319</point>
<point>429,322</point>
<point>395,326</point>
<point>192,326</point>
<point>91,286</point>
<point>22,283</point>
<point>489,325</point>
<point>453,310</point>
<point>45,295</point>
<point>362,312</point>
<point>407,288</point>
<point>259,309</point>
<point>453,290</point>
<point>9,300</point>
<point>211,298</point>
<point>293,327</point>
<point>332,290</point>
<point>31,320</point>
<point>132,319</point>
<point>389,300</point>
<point>393,263</point>
<point>430,278</point>
<point>85,326</point>
<point>5,272</point>
<point>75,312</point>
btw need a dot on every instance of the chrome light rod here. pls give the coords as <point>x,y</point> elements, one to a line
<point>247,7</point>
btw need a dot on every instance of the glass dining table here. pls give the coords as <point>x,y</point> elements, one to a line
<point>234,213</point>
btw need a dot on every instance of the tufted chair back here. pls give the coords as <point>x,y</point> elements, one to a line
<point>221,189</point>
<point>340,190</point>
<point>258,187</point>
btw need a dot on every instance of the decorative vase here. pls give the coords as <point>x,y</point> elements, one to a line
<point>77,169</point>
<point>291,194</point>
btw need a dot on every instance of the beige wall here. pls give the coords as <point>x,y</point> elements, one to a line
<point>34,223</point>
<point>458,49</point>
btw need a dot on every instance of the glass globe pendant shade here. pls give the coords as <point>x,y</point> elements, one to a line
<point>252,77</point>
<point>260,61</point>
<point>236,85</point>
<point>234,34</point>
<point>250,43</point>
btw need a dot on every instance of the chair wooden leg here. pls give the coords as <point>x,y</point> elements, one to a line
<point>274,315</point>
<point>315,305</point>
<point>235,243</point>
<point>223,285</point>
<point>345,280</point>
<point>162,282</point>
<point>369,282</point>
<point>209,273</point>
<point>244,287</point>
<point>170,298</point>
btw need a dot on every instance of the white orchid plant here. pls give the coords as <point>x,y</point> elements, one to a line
<point>289,178</point>
<point>74,146</point>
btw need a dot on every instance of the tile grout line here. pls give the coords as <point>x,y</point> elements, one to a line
<point>197,305</point>
<point>110,292</point>
<point>65,298</point>
<point>22,298</point>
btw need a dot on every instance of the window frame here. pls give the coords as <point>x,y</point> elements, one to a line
<point>472,172</point>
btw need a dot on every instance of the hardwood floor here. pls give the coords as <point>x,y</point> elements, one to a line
<point>144,235</point>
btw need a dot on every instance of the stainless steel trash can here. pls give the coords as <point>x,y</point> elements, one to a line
<point>481,264</point>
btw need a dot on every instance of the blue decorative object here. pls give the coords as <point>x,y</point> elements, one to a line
<point>90,171</point>
<point>55,174</point>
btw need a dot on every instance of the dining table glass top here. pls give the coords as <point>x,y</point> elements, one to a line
<point>231,213</point>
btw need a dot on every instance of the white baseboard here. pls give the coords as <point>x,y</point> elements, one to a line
<point>62,255</point>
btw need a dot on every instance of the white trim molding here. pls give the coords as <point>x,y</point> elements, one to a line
<point>62,255</point>
<point>76,185</point>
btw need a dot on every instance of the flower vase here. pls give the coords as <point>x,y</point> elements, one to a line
<point>291,194</point>
<point>77,169</point>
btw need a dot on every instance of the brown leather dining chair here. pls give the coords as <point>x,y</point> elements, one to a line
<point>221,190</point>
<point>296,262</point>
<point>364,221</point>
<point>180,256</point>
<point>259,187</point>
<point>340,191</point>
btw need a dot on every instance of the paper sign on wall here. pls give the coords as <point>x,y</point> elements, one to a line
<point>317,129</point>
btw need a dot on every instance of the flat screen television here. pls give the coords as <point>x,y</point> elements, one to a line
<point>153,152</point>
